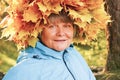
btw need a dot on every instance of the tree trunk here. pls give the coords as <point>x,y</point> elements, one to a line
<point>113,35</point>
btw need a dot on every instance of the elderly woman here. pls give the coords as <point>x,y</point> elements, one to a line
<point>53,57</point>
<point>53,22</point>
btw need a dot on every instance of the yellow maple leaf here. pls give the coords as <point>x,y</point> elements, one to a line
<point>57,9</point>
<point>81,24</point>
<point>93,4</point>
<point>8,33</point>
<point>86,17</point>
<point>100,15</point>
<point>30,15</point>
<point>32,41</point>
<point>42,7</point>
<point>92,30</point>
<point>37,29</point>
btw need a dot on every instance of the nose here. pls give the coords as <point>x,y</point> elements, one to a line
<point>60,31</point>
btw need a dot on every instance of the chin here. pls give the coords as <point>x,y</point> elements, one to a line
<point>60,49</point>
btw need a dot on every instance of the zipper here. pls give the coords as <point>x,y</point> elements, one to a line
<point>67,66</point>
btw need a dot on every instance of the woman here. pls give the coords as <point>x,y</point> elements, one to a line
<point>53,57</point>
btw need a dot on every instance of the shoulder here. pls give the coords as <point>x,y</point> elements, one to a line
<point>24,69</point>
<point>29,64</point>
<point>27,53</point>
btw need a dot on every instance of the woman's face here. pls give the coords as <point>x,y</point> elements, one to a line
<point>57,35</point>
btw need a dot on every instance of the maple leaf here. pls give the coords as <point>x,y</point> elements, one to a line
<point>8,33</point>
<point>50,6</point>
<point>37,29</point>
<point>32,41</point>
<point>92,30</point>
<point>85,17</point>
<point>32,13</point>
<point>21,34</point>
<point>57,9</point>
<point>29,16</point>
<point>81,24</point>
<point>74,4</point>
<point>100,15</point>
<point>92,4</point>
<point>42,7</point>
<point>13,5</point>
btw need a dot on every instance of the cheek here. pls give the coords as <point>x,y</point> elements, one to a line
<point>47,35</point>
<point>70,34</point>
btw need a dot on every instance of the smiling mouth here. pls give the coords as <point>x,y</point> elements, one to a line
<point>59,40</point>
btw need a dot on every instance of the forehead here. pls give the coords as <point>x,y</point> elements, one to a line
<point>59,18</point>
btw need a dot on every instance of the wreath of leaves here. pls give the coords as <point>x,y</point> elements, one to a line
<point>22,24</point>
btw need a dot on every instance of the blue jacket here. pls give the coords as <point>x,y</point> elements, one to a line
<point>43,63</point>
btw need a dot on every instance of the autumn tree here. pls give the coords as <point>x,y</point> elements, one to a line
<point>113,35</point>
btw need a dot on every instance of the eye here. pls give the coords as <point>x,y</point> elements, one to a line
<point>68,26</point>
<point>51,26</point>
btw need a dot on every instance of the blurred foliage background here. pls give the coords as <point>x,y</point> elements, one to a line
<point>95,52</point>
<point>8,55</point>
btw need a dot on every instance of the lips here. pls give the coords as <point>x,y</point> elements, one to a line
<point>60,40</point>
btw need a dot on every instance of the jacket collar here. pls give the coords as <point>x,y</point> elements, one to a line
<point>50,52</point>
<point>41,51</point>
